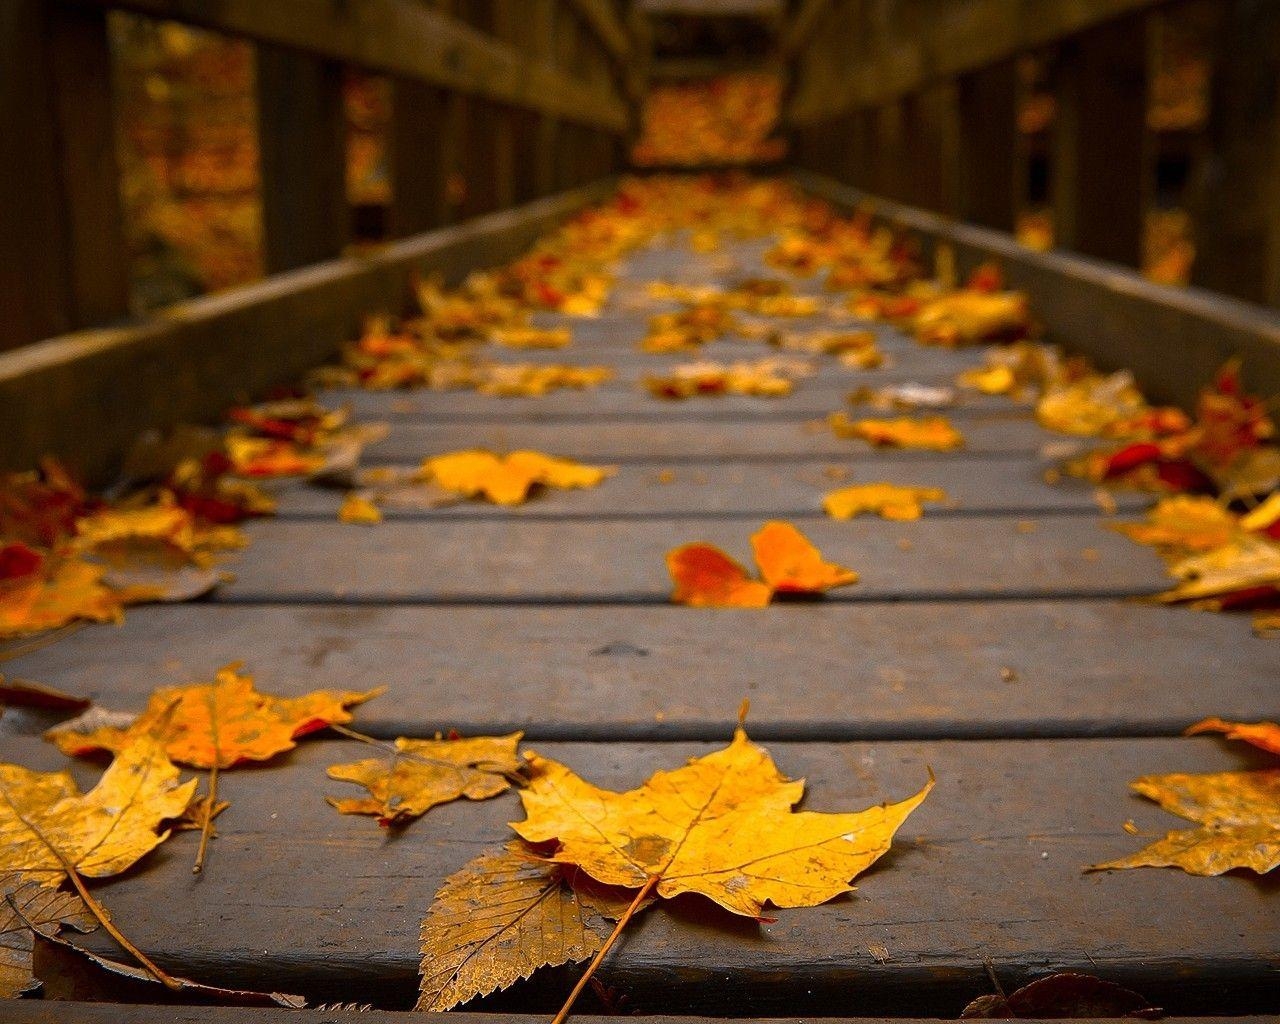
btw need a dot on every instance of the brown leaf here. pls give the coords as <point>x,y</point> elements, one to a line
<point>1063,995</point>
<point>27,904</point>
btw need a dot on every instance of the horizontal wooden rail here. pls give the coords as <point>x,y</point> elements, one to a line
<point>86,396</point>
<point>955,38</point>
<point>1173,339</point>
<point>398,37</point>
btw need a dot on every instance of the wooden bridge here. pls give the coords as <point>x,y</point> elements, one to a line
<point>995,641</point>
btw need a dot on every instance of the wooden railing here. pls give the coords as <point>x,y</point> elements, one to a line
<point>917,100</point>
<point>520,97</point>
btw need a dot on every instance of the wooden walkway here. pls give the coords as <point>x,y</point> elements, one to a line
<point>991,641</point>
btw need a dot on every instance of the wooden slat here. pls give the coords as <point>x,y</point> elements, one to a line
<point>399,37</point>
<point>815,671</point>
<point>1106,312</point>
<point>35,1012</point>
<point>987,106</point>
<point>680,441</point>
<point>952,39</point>
<point>417,156</point>
<point>63,260</point>
<point>987,871</point>
<point>219,349</point>
<point>302,141</point>
<point>624,560</point>
<point>1101,166</point>
<point>801,25</point>
<point>769,490</point>
<point>602,18</point>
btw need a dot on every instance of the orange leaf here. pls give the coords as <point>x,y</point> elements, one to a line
<point>790,563</point>
<point>706,577</point>
<point>1264,735</point>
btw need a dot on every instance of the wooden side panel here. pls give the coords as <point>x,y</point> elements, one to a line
<point>302,140</point>
<point>987,102</point>
<point>418,157</point>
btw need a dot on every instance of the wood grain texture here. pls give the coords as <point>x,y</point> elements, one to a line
<point>768,490</point>
<point>623,560</point>
<point>988,870</point>
<point>817,671</point>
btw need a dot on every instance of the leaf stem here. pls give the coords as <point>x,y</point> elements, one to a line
<point>206,826</point>
<point>641,896</point>
<point>515,778</point>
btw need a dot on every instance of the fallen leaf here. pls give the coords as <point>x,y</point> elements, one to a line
<point>1242,574</point>
<point>790,564</point>
<point>705,577</point>
<point>500,918</point>
<point>889,501</point>
<point>990,380</point>
<point>507,480</point>
<point>722,826</point>
<point>907,396</point>
<point>1181,524</point>
<point>424,773</point>
<point>48,828</point>
<point>22,693</point>
<point>1264,735</point>
<point>1239,817</point>
<point>27,905</point>
<point>764,378</point>
<point>934,433</point>
<point>65,590</point>
<point>531,337</point>
<point>358,509</point>
<point>1063,995</point>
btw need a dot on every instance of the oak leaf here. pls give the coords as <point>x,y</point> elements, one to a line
<point>48,828</point>
<point>503,916</point>
<point>934,433</point>
<point>889,501</point>
<point>220,724</point>
<point>722,826</point>
<point>424,773</point>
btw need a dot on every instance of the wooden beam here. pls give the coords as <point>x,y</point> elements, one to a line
<point>956,37</point>
<point>987,111</point>
<point>399,37</point>
<point>802,26</point>
<point>1100,156</point>
<point>1237,191</point>
<point>302,142</point>
<point>63,257</point>
<point>602,19</point>
<point>416,157</point>
<point>87,396</point>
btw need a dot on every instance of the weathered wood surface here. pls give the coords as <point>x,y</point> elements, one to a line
<point>403,38</point>
<point>86,396</point>
<point>1106,312</point>
<point>989,435</point>
<point>624,560</point>
<point>817,671</point>
<point>988,870</point>
<point>714,489</point>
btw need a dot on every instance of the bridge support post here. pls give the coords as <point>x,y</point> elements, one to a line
<point>987,112</point>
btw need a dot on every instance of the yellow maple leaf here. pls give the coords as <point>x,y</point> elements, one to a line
<point>890,501</point>
<point>531,337</point>
<point>722,826</point>
<point>68,590</point>
<point>934,433</point>
<point>359,510</point>
<point>424,773</point>
<point>1239,817</point>
<point>48,828</point>
<point>1183,523</point>
<point>990,380</point>
<point>507,480</point>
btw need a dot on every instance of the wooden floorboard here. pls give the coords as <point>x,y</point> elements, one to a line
<point>621,560</point>
<point>988,870</point>
<point>714,489</point>
<point>834,672</point>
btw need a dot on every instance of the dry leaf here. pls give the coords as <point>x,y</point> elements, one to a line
<point>1264,735</point>
<point>1182,524</point>
<point>359,510</point>
<point>990,380</point>
<point>889,501</point>
<point>934,433</point>
<point>224,723</point>
<point>424,773</point>
<point>721,826</point>
<point>64,590</point>
<point>22,693</point>
<point>27,905</point>
<point>789,562</point>
<point>764,378</point>
<point>502,917</point>
<point>705,577</point>
<point>1244,573</point>
<point>1060,996</point>
<point>531,337</point>
<point>507,480</point>
<point>47,827</point>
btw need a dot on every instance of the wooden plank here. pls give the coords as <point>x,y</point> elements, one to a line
<point>623,559</point>
<point>1108,313</point>
<point>63,260</point>
<point>398,37</point>
<point>1237,217</point>
<point>801,26</point>
<point>954,39</point>
<point>602,18</point>
<point>216,350</point>
<point>302,143</point>
<point>417,158</point>
<point>679,441</point>
<point>769,490</point>
<point>1101,166</point>
<point>987,102</point>
<point>987,871</point>
<point>35,1012</point>
<point>814,671</point>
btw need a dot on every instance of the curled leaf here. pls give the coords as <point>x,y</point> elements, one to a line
<point>705,577</point>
